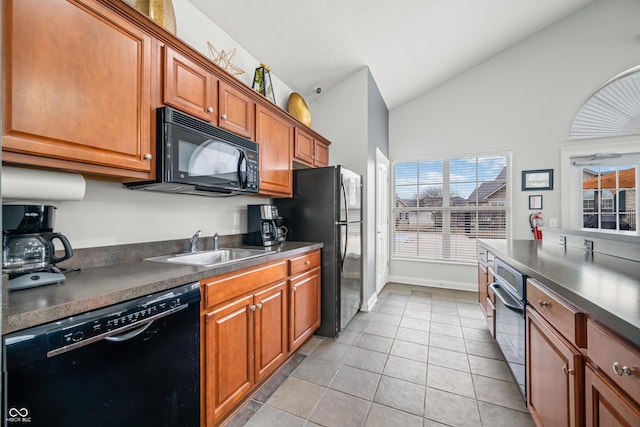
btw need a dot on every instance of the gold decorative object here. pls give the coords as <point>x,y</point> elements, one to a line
<point>224,60</point>
<point>298,108</point>
<point>160,11</point>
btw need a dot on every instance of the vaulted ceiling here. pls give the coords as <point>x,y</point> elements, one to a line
<point>410,46</point>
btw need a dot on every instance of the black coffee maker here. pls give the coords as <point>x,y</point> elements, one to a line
<point>264,226</point>
<point>28,252</point>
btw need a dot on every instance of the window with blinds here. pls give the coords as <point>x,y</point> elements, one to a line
<point>442,206</point>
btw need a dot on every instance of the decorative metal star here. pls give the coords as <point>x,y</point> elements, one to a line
<point>224,60</point>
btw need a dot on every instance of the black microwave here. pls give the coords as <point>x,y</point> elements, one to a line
<point>196,157</point>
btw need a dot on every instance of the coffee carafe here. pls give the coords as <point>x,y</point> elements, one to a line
<point>264,226</point>
<point>28,251</point>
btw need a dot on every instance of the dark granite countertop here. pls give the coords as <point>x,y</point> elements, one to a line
<point>97,287</point>
<point>604,286</point>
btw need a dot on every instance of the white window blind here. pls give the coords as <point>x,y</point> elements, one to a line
<point>442,206</point>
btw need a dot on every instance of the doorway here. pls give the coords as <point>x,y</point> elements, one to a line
<point>382,220</point>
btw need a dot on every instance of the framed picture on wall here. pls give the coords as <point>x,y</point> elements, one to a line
<point>541,179</point>
<point>535,202</point>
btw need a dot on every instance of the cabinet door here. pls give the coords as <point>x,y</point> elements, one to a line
<point>554,375</point>
<point>275,136</point>
<point>270,317</point>
<point>190,87</point>
<point>482,288</point>
<point>605,404</point>
<point>322,154</point>
<point>228,359</point>
<point>77,88</point>
<point>304,307</point>
<point>237,111</point>
<point>303,151</point>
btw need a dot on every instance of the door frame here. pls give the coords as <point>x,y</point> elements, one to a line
<point>383,208</point>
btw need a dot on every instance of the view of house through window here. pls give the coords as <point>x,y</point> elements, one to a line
<point>442,206</point>
<point>609,197</point>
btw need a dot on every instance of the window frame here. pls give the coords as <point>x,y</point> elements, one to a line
<point>571,182</point>
<point>446,206</point>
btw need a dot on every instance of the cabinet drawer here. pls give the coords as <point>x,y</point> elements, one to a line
<point>222,288</point>
<point>606,350</point>
<point>304,262</point>
<point>565,318</point>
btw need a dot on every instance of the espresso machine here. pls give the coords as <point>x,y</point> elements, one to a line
<point>28,252</point>
<point>264,226</point>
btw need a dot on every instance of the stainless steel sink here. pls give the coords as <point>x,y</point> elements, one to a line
<point>210,258</point>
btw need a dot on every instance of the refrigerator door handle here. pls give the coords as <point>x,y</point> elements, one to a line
<point>344,195</point>
<point>343,249</point>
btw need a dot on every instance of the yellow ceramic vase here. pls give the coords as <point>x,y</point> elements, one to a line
<point>160,11</point>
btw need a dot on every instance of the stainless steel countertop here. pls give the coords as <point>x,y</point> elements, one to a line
<point>93,288</point>
<point>604,286</point>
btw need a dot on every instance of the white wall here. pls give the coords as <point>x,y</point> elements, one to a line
<point>340,115</point>
<point>522,99</point>
<point>113,215</point>
<point>350,116</point>
<point>197,29</point>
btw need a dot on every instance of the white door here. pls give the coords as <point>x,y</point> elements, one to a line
<point>382,220</point>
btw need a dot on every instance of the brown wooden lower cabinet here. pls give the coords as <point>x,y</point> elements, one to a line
<point>270,326</point>
<point>228,356</point>
<point>605,404</point>
<point>482,287</point>
<point>304,314</point>
<point>554,375</point>
<point>251,322</point>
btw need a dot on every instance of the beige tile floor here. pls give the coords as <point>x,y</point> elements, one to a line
<point>422,357</point>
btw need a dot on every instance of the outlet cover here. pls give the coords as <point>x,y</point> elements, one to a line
<point>588,245</point>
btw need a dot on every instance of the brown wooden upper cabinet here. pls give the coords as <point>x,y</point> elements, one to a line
<point>237,111</point>
<point>77,88</point>
<point>196,90</point>
<point>190,87</point>
<point>274,133</point>
<point>310,151</point>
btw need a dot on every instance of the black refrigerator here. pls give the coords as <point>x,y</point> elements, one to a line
<point>327,207</point>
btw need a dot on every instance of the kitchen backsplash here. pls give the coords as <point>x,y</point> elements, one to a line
<point>118,254</point>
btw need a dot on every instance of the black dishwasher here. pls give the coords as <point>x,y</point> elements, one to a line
<point>132,364</point>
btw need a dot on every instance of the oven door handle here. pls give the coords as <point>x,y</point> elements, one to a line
<point>506,298</point>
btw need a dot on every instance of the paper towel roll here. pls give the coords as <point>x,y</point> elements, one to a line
<point>32,184</point>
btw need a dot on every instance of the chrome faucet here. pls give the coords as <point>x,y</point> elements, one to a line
<point>194,241</point>
<point>216,242</point>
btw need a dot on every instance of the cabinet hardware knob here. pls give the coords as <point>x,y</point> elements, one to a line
<point>210,110</point>
<point>148,156</point>
<point>567,371</point>
<point>307,262</point>
<point>621,370</point>
<point>252,308</point>
<point>223,117</point>
<point>543,303</point>
<point>259,305</point>
<point>293,289</point>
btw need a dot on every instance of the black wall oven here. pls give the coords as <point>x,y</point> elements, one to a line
<point>195,157</point>
<point>510,288</point>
